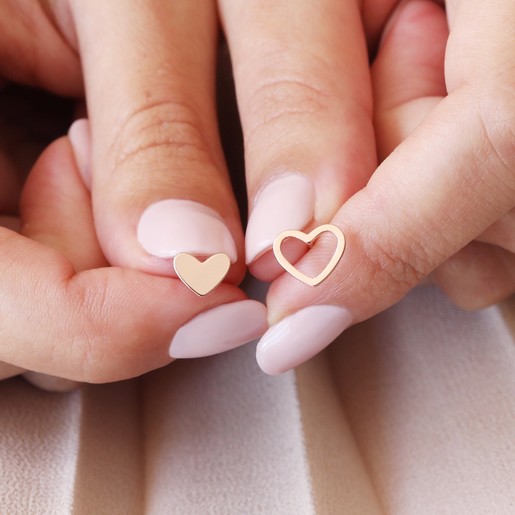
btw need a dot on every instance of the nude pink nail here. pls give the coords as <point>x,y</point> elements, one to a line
<point>172,226</point>
<point>220,329</point>
<point>80,139</point>
<point>287,202</point>
<point>300,336</point>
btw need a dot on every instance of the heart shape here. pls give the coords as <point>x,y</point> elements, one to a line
<point>201,277</point>
<point>308,239</point>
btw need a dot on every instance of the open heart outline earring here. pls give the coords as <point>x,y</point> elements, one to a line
<point>201,277</point>
<point>308,239</point>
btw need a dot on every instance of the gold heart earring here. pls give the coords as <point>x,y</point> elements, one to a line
<point>201,277</point>
<point>308,239</point>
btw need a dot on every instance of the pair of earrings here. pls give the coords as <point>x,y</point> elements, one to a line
<point>203,277</point>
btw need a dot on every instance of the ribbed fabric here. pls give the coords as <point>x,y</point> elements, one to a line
<point>411,413</point>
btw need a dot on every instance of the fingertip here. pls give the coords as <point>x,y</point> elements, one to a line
<point>300,336</point>
<point>410,60</point>
<point>208,333</point>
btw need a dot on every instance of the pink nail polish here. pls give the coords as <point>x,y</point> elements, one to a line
<point>300,336</point>
<point>287,202</point>
<point>80,139</point>
<point>169,227</point>
<point>220,329</point>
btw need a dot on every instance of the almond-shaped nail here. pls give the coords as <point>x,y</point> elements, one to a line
<point>220,329</point>
<point>287,202</point>
<point>169,227</point>
<point>300,336</point>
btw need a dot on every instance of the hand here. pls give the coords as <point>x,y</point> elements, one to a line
<point>154,134</point>
<point>442,201</point>
<point>63,313</point>
<point>154,137</point>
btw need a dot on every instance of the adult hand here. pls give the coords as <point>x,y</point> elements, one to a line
<point>63,313</point>
<point>149,82</point>
<point>442,201</point>
<point>150,94</point>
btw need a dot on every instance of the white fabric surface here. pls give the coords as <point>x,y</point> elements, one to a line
<point>412,412</point>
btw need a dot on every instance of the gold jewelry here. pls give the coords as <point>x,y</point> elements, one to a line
<point>201,277</point>
<point>308,239</point>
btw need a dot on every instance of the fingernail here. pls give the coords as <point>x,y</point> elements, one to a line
<point>80,139</point>
<point>288,202</point>
<point>220,329</point>
<point>172,226</point>
<point>300,336</point>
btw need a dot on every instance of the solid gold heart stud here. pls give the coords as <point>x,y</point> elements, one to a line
<point>308,239</point>
<point>201,277</point>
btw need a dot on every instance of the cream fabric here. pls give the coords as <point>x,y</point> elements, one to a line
<point>412,413</point>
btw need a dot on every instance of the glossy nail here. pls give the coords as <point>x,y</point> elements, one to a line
<point>80,139</point>
<point>300,336</point>
<point>288,202</point>
<point>220,329</point>
<point>172,226</point>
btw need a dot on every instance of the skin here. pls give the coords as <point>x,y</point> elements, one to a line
<point>397,153</point>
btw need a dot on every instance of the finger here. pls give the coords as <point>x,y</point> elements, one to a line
<point>35,50</point>
<point>104,324</point>
<point>434,194</point>
<point>56,209</point>
<point>408,73</point>
<point>159,181</point>
<point>303,90</point>
<point>57,213</point>
<point>477,276</point>
<point>7,370</point>
<point>501,233</point>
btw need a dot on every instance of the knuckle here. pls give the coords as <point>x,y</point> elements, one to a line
<point>89,348</point>
<point>101,350</point>
<point>280,99</point>
<point>399,254</point>
<point>396,268</point>
<point>159,132</point>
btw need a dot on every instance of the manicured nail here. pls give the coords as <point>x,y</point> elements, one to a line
<point>220,329</point>
<point>288,202</point>
<point>80,139</point>
<point>300,336</point>
<point>172,226</point>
